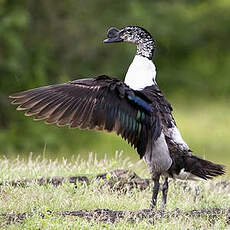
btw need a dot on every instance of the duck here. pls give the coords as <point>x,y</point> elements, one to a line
<point>135,109</point>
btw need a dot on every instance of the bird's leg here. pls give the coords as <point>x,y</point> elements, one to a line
<point>155,192</point>
<point>164,193</point>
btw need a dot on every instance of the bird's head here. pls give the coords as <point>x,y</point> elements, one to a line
<point>133,34</point>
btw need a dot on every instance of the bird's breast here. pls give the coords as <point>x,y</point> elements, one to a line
<point>141,73</point>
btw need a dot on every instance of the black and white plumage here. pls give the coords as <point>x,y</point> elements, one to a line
<point>134,109</point>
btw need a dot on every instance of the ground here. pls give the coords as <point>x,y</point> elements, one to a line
<point>103,194</point>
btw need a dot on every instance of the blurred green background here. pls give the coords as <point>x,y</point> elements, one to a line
<point>46,42</point>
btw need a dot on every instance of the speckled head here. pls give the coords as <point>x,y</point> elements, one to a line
<point>133,34</point>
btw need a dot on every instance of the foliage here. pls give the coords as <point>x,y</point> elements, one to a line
<point>54,42</point>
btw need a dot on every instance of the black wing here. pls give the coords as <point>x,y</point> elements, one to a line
<point>160,104</point>
<point>101,103</point>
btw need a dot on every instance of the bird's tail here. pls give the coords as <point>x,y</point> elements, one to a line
<point>202,168</point>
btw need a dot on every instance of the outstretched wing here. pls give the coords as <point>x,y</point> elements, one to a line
<point>101,103</point>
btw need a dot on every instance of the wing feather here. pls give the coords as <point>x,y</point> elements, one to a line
<point>101,103</point>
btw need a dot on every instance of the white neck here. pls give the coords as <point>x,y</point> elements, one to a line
<point>141,73</point>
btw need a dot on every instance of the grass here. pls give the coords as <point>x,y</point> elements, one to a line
<point>37,199</point>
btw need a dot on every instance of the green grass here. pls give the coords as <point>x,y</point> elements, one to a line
<point>38,199</point>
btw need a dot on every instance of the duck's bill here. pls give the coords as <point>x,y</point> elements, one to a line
<point>111,40</point>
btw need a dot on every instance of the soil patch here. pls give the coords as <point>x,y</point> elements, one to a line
<point>118,179</point>
<point>111,216</point>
